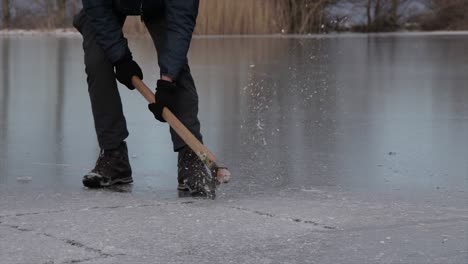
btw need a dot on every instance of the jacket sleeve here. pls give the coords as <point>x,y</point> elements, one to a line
<point>181,16</point>
<point>108,29</point>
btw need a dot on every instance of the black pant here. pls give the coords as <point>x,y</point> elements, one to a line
<point>109,120</point>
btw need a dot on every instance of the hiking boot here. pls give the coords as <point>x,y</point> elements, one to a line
<point>194,176</point>
<point>112,167</point>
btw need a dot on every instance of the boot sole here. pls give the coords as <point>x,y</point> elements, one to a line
<point>96,182</point>
<point>119,181</point>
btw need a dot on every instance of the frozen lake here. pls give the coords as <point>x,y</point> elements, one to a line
<point>343,150</point>
<point>379,113</point>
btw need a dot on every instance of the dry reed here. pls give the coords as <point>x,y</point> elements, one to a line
<point>227,17</point>
<point>215,16</point>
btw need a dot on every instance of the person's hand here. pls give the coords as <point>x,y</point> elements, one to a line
<point>165,97</point>
<point>125,70</point>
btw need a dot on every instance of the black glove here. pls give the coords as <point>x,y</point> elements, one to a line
<point>165,97</point>
<point>125,70</point>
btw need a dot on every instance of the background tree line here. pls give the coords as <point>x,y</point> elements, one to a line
<point>268,16</point>
<point>392,15</point>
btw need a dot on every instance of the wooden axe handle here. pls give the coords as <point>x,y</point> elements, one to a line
<point>203,152</point>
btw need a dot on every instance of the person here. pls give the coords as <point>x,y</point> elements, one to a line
<point>108,58</point>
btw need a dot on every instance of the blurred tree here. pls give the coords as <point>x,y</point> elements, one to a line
<point>446,15</point>
<point>6,13</point>
<point>369,13</point>
<point>61,13</point>
<point>381,15</point>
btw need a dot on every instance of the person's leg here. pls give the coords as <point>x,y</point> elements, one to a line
<point>193,175</point>
<point>187,97</point>
<point>187,105</point>
<point>109,120</point>
<point>112,166</point>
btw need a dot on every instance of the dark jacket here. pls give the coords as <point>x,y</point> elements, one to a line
<point>180,16</point>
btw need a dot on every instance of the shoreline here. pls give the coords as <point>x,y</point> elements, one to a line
<point>71,32</point>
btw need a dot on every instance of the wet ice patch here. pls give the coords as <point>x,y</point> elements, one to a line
<point>24,179</point>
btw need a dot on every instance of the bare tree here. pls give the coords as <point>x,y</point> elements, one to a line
<point>369,13</point>
<point>446,15</point>
<point>61,12</point>
<point>382,14</point>
<point>394,8</point>
<point>6,13</point>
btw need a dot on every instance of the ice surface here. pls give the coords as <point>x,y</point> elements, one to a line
<point>336,144</point>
